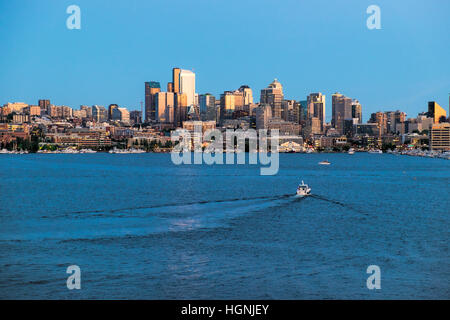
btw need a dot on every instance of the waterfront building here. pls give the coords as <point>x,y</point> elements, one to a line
<point>151,88</point>
<point>393,118</point>
<point>436,112</point>
<point>440,136</point>
<point>273,96</point>
<point>285,128</point>
<point>380,118</point>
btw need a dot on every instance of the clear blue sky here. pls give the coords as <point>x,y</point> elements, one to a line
<point>309,46</point>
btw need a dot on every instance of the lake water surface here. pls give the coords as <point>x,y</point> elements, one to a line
<point>140,227</point>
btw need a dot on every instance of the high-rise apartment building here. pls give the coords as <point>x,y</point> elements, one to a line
<point>44,104</point>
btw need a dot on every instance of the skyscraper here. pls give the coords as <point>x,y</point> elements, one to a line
<point>99,113</point>
<point>436,112</point>
<point>273,96</point>
<point>165,104</point>
<point>151,88</point>
<point>206,101</point>
<point>356,110</point>
<point>176,79</point>
<point>341,110</point>
<point>316,109</point>
<point>111,108</point>
<point>247,94</point>
<point>187,86</point>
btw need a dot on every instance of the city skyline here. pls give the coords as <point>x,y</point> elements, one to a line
<point>392,68</point>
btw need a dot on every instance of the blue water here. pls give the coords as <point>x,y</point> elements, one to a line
<point>140,227</point>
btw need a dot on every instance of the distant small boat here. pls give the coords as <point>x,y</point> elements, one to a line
<point>325,163</point>
<point>303,190</point>
<point>375,151</point>
<point>351,151</point>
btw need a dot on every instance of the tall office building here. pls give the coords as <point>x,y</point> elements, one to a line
<point>273,96</point>
<point>99,113</point>
<point>206,101</point>
<point>316,109</point>
<point>227,105</point>
<point>187,86</point>
<point>393,118</point>
<point>111,108</point>
<point>165,106</point>
<point>176,79</point>
<point>436,112</point>
<point>120,114</point>
<point>356,110</point>
<point>247,94</point>
<point>151,88</point>
<point>181,108</point>
<point>341,110</point>
<point>380,118</point>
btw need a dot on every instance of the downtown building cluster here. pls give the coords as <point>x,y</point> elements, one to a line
<point>301,123</point>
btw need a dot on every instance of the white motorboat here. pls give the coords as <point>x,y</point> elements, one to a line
<point>351,151</point>
<point>326,163</point>
<point>375,151</point>
<point>303,190</point>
